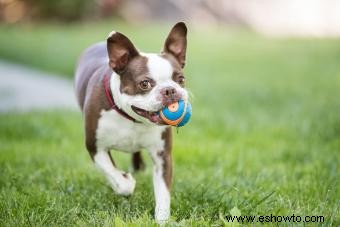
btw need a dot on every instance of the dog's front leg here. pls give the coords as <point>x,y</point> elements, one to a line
<point>122,183</point>
<point>162,178</point>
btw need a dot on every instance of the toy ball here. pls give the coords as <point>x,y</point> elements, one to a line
<point>176,114</point>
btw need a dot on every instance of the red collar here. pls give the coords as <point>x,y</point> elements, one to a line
<point>112,102</point>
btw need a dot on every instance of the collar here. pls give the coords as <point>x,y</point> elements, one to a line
<point>111,100</point>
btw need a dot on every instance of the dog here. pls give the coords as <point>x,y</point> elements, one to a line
<point>120,91</point>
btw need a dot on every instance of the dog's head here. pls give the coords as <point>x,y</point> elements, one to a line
<point>145,83</point>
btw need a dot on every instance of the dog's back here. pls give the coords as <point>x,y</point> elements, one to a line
<point>93,61</point>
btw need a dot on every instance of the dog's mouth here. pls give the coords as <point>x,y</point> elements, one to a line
<point>152,116</point>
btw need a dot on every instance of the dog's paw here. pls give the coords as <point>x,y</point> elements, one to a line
<point>162,215</point>
<point>125,184</point>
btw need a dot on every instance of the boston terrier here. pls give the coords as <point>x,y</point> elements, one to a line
<point>120,91</point>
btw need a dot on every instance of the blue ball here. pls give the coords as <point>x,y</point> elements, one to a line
<point>176,114</point>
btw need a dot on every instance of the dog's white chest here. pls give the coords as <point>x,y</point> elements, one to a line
<point>116,132</point>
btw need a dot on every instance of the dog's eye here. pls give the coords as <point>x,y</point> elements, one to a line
<point>145,85</point>
<point>181,80</point>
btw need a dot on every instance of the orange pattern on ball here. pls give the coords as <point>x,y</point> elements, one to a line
<point>173,107</point>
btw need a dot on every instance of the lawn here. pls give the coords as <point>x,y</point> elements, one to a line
<point>264,138</point>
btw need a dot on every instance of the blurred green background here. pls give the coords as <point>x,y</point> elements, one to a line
<point>264,136</point>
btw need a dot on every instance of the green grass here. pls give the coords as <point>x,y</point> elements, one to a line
<point>264,137</point>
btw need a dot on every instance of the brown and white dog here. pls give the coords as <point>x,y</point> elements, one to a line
<point>120,90</point>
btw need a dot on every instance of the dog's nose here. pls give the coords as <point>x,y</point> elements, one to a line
<point>169,92</point>
<point>169,95</point>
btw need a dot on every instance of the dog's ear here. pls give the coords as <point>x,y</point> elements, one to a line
<point>120,50</point>
<point>176,42</point>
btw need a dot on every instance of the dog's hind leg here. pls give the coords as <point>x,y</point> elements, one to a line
<point>122,183</point>
<point>137,161</point>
